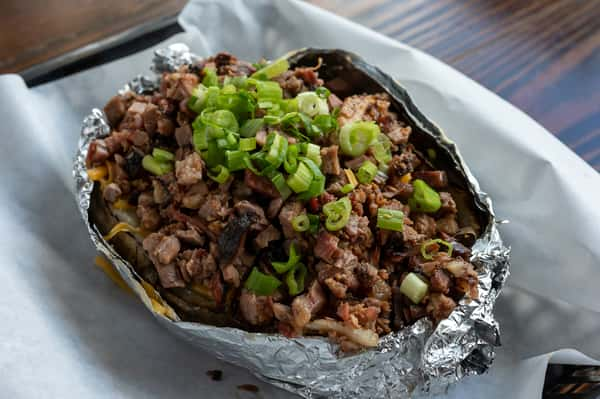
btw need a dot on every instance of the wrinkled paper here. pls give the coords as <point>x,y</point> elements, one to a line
<point>417,357</point>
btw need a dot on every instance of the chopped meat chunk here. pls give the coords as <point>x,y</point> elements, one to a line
<point>331,161</point>
<point>260,184</point>
<point>112,192</point>
<point>448,224</point>
<point>424,224</point>
<point>183,135</point>
<point>269,234</point>
<point>256,310</point>
<point>305,306</point>
<point>448,204</point>
<point>326,247</point>
<point>189,171</point>
<point>214,207</point>
<point>440,281</point>
<point>194,196</point>
<point>440,306</point>
<point>115,110</point>
<point>287,214</point>
<point>435,178</point>
<point>190,236</point>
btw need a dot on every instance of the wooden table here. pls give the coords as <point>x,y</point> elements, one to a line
<point>541,55</point>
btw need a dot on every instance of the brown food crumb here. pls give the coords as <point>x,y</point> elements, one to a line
<point>248,387</point>
<point>215,375</point>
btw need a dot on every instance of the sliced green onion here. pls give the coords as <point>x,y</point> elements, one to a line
<point>317,186</point>
<point>162,155</point>
<point>428,255</point>
<point>346,188</point>
<point>156,167</point>
<point>279,182</point>
<point>311,104</point>
<point>220,174</point>
<point>222,118</point>
<point>277,150</point>
<point>325,123</point>
<point>382,150</point>
<point>414,288</point>
<point>356,137</point>
<point>228,89</point>
<point>260,283</point>
<point>301,179</point>
<point>200,136</point>
<point>290,163</point>
<point>235,160</point>
<point>390,219</point>
<point>338,213</point>
<point>315,221</point>
<point>198,98</point>
<point>367,172</point>
<point>301,223</point>
<point>268,91</point>
<point>295,279</point>
<point>322,92</point>
<point>228,142</point>
<point>210,77</point>
<point>313,152</point>
<point>250,127</point>
<point>275,68</point>
<point>289,105</point>
<point>424,198</point>
<point>293,259</point>
<point>213,156</point>
<point>237,81</point>
<point>248,144</point>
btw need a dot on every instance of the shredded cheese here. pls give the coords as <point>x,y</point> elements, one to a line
<point>158,305</point>
<point>123,205</point>
<point>98,173</point>
<point>406,178</point>
<point>123,227</point>
<point>110,271</point>
<point>351,177</point>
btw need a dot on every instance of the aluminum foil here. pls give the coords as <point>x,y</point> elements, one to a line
<point>416,360</point>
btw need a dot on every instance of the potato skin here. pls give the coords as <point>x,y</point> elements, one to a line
<point>189,305</point>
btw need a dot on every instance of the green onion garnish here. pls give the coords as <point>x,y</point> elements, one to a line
<point>317,186</point>
<point>356,137</point>
<point>390,219</point>
<point>200,136</point>
<point>301,223</point>
<point>250,127</point>
<point>290,163</point>
<point>214,155</point>
<point>155,166</point>
<point>313,152</point>
<point>325,123</point>
<point>210,77</point>
<point>414,288</point>
<point>235,160</point>
<point>428,255</point>
<point>338,213</point>
<point>268,92</point>
<point>311,104</point>
<point>198,98</point>
<point>314,223</point>
<point>424,198</point>
<point>277,150</point>
<point>279,182</point>
<point>162,155</point>
<point>220,174</point>
<point>282,267</point>
<point>366,172</point>
<point>346,188</point>
<point>382,150</point>
<point>275,68</point>
<point>260,283</point>
<point>322,92</point>
<point>248,144</point>
<point>301,179</point>
<point>295,279</point>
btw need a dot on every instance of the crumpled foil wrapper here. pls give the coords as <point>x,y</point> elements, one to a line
<point>419,359</point>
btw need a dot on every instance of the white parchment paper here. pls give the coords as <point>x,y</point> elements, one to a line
<point>67,331</point>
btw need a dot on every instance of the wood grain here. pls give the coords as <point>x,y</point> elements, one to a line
<point>33,31</point>
<point>541,55</point>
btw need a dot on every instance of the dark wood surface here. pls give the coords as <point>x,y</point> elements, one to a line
<point>541,55</point>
